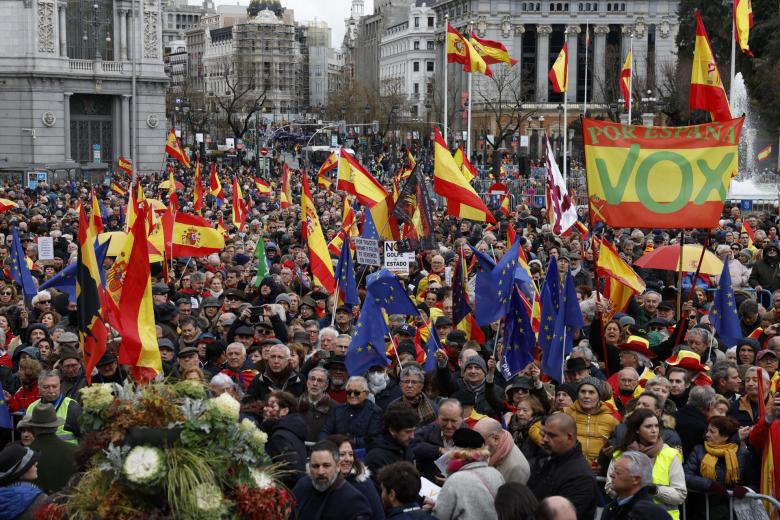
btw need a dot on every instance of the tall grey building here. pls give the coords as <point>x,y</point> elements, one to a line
<point>65,71</point>
<point>387,13</point>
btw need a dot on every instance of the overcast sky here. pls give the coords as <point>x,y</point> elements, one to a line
<point>332,11</point>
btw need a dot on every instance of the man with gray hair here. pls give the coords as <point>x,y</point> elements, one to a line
<point>691,419</point>
<point>412,381</point>
<point>632,480</point>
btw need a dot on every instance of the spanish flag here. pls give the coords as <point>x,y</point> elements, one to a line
<point>323,180</point>
<point>90,296</point>
<point>505,206</point>
<point>174,149</point>
<point>448,181</point>
<point>707,91</point>
<point>173,198</point>
<point>355,179</point>
<point>263,187</point>
<point>190,235</point>
<point>7,204</point>
<point>625,81</point>
<point>749,230</point>
<point>215,187</point>
<point>139,336</point>
<point>472,330</point>
<point>466,168</point>
<point>321,266</point>
<point>764,154</point>
<point>460,50</point>
<point>348,227</point>
<point>406,171</point>
<point>559,73</point>
<point>197,192</point>
<point>95,219</point>
<point>610,264</point>
<point>285,197</point>
<point>118,189</point>
<point>492,51</point>
<point>743,22</point>
<point>238,206</point>
<point>124,165</point>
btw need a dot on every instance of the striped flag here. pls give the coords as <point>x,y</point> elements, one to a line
<point>215,187</point>
<point>764,154</point>
<point>263,187</point>
<point>118,189</point>
<point>174,149</point>
<point>319,259</point>
<point>285,197</point>
<point>460,50</point>
<point>625,81</point>
<point>559,73</point>
<point>707,92</point>
<point>492,51</point>
<point>323,180</point>
<point>505,206</point>
<point>743,22</point>
<point>466,168</point>
<point>90,296</point>
<point>197,193</point>
<point>239,209</point>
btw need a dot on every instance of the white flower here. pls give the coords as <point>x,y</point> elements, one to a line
<point>258,438</point>
<point>247,425</point>
<point>97,397</point>
<point>226,406</point>
<point>144,465</point>
<point>208,497</point>
<point>261,478</point>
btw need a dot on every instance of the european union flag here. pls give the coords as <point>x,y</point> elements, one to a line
<point>567,323</point>
<point>493,289</point>
<point>345,276</point>
<point>368,346</point>
<point>432,344</point>
<point>369,226</point>
<point>390,293</point>
<point>460,302</point>
<point>518,337</point>
<point>723,315</point>
<point>20,273</point>
<point>65,280</point>
<point>5,413</point>
<point>549,301</point>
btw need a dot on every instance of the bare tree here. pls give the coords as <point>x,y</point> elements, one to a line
<point>242,97</point>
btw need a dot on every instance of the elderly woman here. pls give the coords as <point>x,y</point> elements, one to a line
<point>745,409</point>
<point>354,472</point>
<point>643,434</point>
<point>595,423</point>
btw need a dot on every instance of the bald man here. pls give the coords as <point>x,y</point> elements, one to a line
<point>567,473</point>
<point>505,456</point>
<point>556,508</point>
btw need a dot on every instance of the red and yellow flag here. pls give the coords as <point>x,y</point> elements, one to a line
<point>215,187</point>
<point>355,179</point>
<point>174,149</point>
<point>139,335</point>
<point>559,73</point>
<point>610,264</point>
<point>190,235</point>
<point>764,154</point>
<point>263,187</point>
<point>460,50</point>
<point>118,189</point>
<point>448,181</point>
<point>95,219</point>
<point>707,91</point>
<point>323,180</point>
<point>625,81</point>
<point>505,207</point>
<point>239,209</point>
<point>125,165</point>
<point>173,198</point>
<point>491,51</point>
<point>472,330</point>
<point>321,266</point>
<point>285,197</point>
<point>749,230</point>
<point>348,227</point>
<point>90,296</point>
<point>466,168</point>
<point>197,193</point>
<point>743,22</point>
<point>657,177</point>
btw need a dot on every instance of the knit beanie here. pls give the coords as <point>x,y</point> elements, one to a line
<point>598,384</point>
<point>476,360</point>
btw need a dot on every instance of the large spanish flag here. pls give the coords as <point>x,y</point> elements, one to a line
<point>323,180</point>
<point>355,179</point>
<point>460,50</point>
<point>625,81</point>
<point>139,336</point>
<point>285,197</point>
<point>492,51</point>
<point>239,210</point>
<point>263,187</point>
<point>610,264</point>
<point>466,168</point>
<point>659,177</point>
<point>559,73</point>
<point>190,235</point>
<point>448,181</point>
<point>321,266</point>
<point>707,91</point>
<point>174,149</point>
<point>743,22</point>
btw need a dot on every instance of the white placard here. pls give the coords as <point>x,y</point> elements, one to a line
<point>230,142</point>
<point>367,250</point>
<point>45,248</point>
<point>396,261</point>
<point>524,140</point>
<point>199,137</point>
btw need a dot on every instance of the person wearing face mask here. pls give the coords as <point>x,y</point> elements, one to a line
<point>384,388</point>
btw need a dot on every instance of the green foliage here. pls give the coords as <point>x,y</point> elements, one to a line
<point>188,469</point>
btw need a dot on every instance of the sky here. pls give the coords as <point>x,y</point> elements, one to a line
<point>331,11</point>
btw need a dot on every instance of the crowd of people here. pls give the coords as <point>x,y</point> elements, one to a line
<point>652,400</point>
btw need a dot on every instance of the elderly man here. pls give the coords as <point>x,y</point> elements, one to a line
<point>632,480</point>
<point>358,418</point>
<point>234,366</point>
<point>692,418</point>
<point>648,310</point>
<point>49,386</point>
<point>344,320</point>
<point>474,371</point>
<point>627,383</point>
<point>324,494</point>
<point>411,382</point>
<point>567,473</point>
<point>433,440</point>
<point>315,404</point>
<point>278,375</point>
<point>57,462</point>
<point>505,456</point>
<point>71,372</point>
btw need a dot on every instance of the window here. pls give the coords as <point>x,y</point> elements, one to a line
<point>430,21</point>
<point>429,45</point>
<point>416,89</point>
<point>416,66</point>
<point>416,45</point>
<point>429,66</point>
<point>417,21</point>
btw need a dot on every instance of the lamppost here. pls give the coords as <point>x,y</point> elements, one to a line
<point>257,138</point>
<point>93,20</point>
<point>343,129</point>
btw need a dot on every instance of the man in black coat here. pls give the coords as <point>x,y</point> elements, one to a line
<point>57,462</point>
<point>632,481</point>
<point>358,418</point>
<point>286,431</point>
<point>566,473</point>
<point>394,444</point>
<point>432,440</point>
<point>691,419</point>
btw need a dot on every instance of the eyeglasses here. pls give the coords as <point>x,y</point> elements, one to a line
<point>6,293</point>
<point>354,393</point>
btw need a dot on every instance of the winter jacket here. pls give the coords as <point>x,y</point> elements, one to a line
<point>692,467</point>
<point>593,430</point>
<point>363,483</point>
<point>262,385</point>
<point>21,501</point>
<point>528,439</point>
<point>425,445</point>
<point>384,450</point>
<point>568,475</point>
<point>514,467</point>
<point>286,444</point>
<point>691,425</point>
<point>469,493</point>
<point>391,392</point>
<point>359,424</point>
<point>408,512</point>
<point>765,275</point>
<point>57,462</point>
<point>639,507</point>
<point>744,411</point>
<point>341,501</point>
<point>450,383</point>
<point>314,415</point>
<point>24,397</point>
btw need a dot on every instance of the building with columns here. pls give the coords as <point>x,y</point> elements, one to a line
<point>599,34</point>
<point>66,72</point>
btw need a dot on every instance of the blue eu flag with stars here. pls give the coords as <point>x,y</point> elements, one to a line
<point>390,293</point>
<point>567,322</point>
<point>723,315</point>
<point>20,273</point>
<point>345,276</point>
<point>491,296</point>
<point>368,346</point>
<point>65,280</point>
<point>369,226</point>
<point>518,337</point>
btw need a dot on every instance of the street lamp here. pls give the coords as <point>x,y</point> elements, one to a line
<point>97,24</point>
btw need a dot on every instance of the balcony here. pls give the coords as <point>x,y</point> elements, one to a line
<point>96,67</point>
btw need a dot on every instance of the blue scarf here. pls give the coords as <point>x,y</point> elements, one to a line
<point>16,498</point>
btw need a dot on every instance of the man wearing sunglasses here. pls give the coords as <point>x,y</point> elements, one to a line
<point>358,418</point>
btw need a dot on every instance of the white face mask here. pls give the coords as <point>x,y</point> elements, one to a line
<point>377,380</point>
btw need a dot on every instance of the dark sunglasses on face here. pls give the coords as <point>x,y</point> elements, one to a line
<point>354,393</point>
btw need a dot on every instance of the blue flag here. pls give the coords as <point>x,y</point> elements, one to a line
<point>390,293</point>
<point>5,413</point>
<point>20,273</point>
<point>369,226</point>
<point>518,338</point>
<point>65,280</point>
<point>368,346</point>
<point>491,296</point>
<point>484,262</point>
<point>723,315</point>
<point>345,276</point>
<point>549,300</point>
<point>460,304</point>
<point>567,323</point>
<point>432,344</point>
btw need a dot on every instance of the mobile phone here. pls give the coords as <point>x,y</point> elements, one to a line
<point>256,311</point>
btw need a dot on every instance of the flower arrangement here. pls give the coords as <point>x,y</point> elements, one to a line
<point>171,451</point>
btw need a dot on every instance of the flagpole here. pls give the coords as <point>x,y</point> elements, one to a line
<point>587,48</point>
<point>733,56</point>
<point>444,66</point>
<point>335,303</point>
<point>565,125</point>
<point>468,124</point>
<point>630,75</point>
